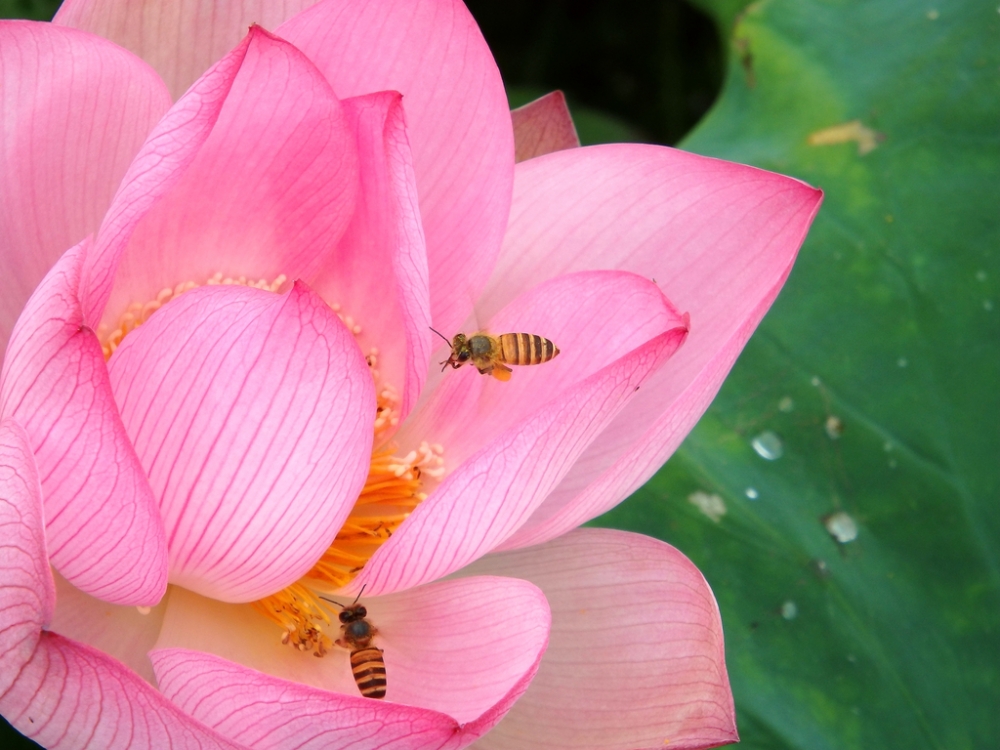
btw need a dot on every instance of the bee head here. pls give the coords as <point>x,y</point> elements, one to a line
<point>353,613</point>
<point>460,349</point>
<point>461,352</point>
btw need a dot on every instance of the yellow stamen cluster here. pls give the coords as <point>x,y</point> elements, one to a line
<point>392,491</point>
<point>138,313</point>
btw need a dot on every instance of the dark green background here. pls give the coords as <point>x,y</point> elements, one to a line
<point>889,324</point>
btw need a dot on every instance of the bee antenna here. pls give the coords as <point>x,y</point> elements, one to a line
<point>330,600</point>
<point>359,595</point>
<point>446,340</point>
<point>341,605</point>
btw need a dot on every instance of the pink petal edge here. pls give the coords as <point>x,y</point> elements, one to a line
<point>242,404</point>
<point>71,696</point>
<point>720,238</point>
<point>636,657</point>
<point>543,126</point>
<point>483,501</point>
<point>76,109</point>
<point>377,276</point>
<point>124,633</point>
<point>459,126</point>
<point>26,590</point>
<point>181,40</point>
<point>102,525</point>
<point>262,191</point>
<point>458,648</point>
<point>592,317</point>
<point>59,693</point>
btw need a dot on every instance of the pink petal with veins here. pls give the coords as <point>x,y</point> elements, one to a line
<point>75,110</point>
<point>27,596</point>
<point>60,693</point>
<point>265,186</point>
<point>636,656</point>
<point>102,525</point>
<point>459,127</point>
<point>123,633</point>
<point>593,318</point>
<point>457,654</point>
<point>70,696</point>
<point>182,39</point>
<point>378,274</point>
<point>242,405</point>
<point>719,238</point>
<point>486,497</point>
<point>543,126</point>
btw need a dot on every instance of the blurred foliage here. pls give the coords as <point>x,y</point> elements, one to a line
<point>858,573</point>
<point>37,10</point>
<point>656,64</point>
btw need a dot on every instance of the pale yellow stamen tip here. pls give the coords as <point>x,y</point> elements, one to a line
<point>139,312</point>
<point>301,616</point>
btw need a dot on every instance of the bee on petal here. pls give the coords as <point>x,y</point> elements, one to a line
<point>367,662</point>
<point>492,354</point>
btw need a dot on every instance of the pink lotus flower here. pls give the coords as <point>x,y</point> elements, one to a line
<point>228,383</point>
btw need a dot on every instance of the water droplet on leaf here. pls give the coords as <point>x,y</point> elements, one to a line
<point>768,446</point>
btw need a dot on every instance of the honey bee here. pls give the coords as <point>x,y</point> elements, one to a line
<point>367,662</point>
<point>492,354</point>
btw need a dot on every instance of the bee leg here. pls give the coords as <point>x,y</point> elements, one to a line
<point>501,372</point>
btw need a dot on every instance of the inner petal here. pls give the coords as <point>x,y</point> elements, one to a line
<point>250,413</point>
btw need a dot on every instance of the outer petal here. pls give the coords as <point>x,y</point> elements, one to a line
<point>27,596</point>
<point>593,317</point>
<point>455,652</point>
<point>59,693</point>
<point>75,110</point>
<point>123,633</point>
<point>72,696</point>
<point>432,52</point>
<point>251,413</point>
<point>103,527</point>
<point>379,272</point>
<point>636,654</point>
<point>720,238</point>
<point>267,713</point>
<point>490,494</point>
<point>252,174</point>
<point>181,38</point>
<point>543,126</point>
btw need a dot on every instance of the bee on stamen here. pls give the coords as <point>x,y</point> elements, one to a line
<point>367,662</point>
<point>492,354</point>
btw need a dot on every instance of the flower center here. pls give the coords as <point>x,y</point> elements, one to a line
<point>393,489</point>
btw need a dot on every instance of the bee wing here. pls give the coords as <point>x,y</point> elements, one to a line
<point>501,372</point>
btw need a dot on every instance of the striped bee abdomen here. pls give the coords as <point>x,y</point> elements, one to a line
<point>368,667</point>
<point>525,349</point>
